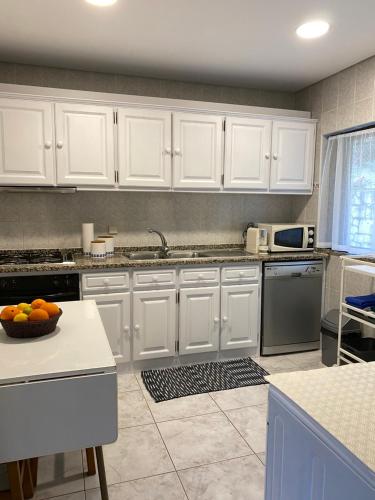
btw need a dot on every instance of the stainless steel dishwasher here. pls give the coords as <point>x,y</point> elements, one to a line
<point>291,306</point>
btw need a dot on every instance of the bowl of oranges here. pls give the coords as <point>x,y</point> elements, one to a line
<point>30,320</point>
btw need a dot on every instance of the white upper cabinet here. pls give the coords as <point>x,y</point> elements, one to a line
<point>154,324</point>
<point>26,143</point>
<point>199,319</point>
<point>247,153</point>
<point>197,151</point>
<point>85,145</point>
<point>292,167</point>
<point>144,148</point>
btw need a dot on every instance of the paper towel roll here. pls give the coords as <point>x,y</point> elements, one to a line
<point>87,237</point>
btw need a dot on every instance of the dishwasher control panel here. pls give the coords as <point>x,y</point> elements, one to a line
<point>293,269</point>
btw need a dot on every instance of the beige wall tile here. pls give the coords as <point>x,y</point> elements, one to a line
<point>345,116</point>
<point>346,86</point>
<point>329,121</point>
<point>133,85</point>
<point>363,111</point>
<point>365,77</point>
<point>7,72</point>
<point>330,93</point>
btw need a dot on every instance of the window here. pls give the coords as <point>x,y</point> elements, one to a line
<point>347,199</point>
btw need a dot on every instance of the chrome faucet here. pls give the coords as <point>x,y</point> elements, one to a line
<point>164,244</point>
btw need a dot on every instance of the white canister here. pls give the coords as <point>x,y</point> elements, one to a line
<point>87,237</point>
<point>98,249</point>
<point>109,243</point>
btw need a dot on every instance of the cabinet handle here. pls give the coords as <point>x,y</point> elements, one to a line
<point>154,279</point>
<point>136,328</point>
<point>274,156</point>
<point>126,329</point>
<point>242,274</point>
<point>216,320</point>
<point>225,319</point>
<point>59,144</point>
<point>177,152</point>
<point>267,156</point>
<point>167,151</point>
<point>47,145</point>
<point>200,276</point>
<point>106,281</point>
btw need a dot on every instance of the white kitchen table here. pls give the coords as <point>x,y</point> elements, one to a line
<point>58,392</point>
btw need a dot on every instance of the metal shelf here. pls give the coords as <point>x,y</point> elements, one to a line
<point>353,265</point>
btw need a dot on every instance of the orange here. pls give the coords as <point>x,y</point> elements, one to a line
<point>38,315</point>
<point>9,312</point>
<point>51,308</point>
<point>35,304</point>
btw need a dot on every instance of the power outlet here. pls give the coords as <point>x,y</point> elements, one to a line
<point>112,229</point>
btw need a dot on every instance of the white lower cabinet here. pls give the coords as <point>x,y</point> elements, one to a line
<point>199,319</point>
<point>240,316</point>
<point>154,324</point>
<point>114,309</point>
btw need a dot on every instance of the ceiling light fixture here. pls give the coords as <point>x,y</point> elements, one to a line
<point>313,29</point>
<point>102,3</point>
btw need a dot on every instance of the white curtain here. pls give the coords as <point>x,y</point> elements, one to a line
<point>347,196</point>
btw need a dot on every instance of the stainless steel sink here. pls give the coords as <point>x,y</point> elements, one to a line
<point>144,255</point>
<point>182,254</point>
<point>187,254</point>
<point>223,252</point>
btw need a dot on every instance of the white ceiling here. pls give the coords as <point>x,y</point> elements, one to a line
<point>234,42</point>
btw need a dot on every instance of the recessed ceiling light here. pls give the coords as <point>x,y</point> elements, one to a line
<point>101,3</point>
<point>313,29</point>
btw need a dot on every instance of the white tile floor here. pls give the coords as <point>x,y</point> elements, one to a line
<point>206,447</point>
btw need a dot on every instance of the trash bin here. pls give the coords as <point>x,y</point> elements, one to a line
<point>329,330</point>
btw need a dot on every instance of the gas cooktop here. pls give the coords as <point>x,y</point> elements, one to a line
<point>35,258</point>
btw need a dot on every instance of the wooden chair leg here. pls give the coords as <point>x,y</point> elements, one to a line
<point>27,480</point>
<point>101,472</point>
<point>90,458</point>
<point>34,470</point>
<point>14,477</point>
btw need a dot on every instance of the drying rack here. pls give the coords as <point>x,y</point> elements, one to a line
<point>360,266</point>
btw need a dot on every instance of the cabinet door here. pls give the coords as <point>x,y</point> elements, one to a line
<point>292,166</point>
<point>85,145</point>
<point>247,153</point>
<point>26,148</point>
<point>154,324</point>
<point>114,309</point>
<point>199,320</point>
<point>240,316</point>
<point>144,148</point>
<point>197,151</point>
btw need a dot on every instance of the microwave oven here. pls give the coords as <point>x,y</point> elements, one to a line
<point>289,237</point>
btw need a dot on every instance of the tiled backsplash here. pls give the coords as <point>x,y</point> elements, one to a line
<point>44,220</point>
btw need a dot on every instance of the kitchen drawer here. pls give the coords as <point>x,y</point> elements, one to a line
<point>200,276</point>
<point>105,281</point>
<point>248,273</point>
<point>147,279</point>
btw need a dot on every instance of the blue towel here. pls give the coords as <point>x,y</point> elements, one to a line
<point>361,301</point>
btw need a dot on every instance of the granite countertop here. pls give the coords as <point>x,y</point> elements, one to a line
<point>340,399</point>
<point>120,261</point>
